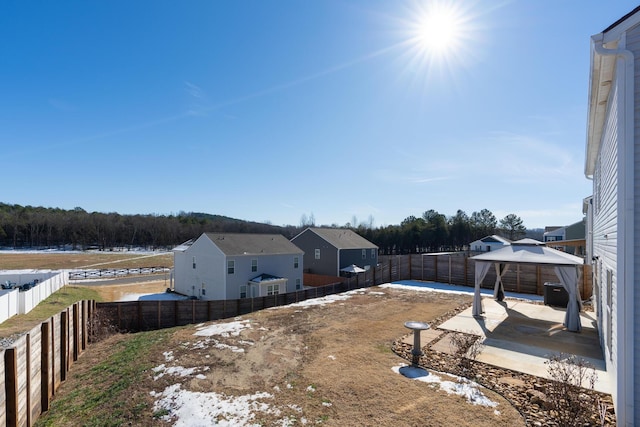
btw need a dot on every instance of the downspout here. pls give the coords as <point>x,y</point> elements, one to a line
<point>338,263</point>
<point>625,262</point>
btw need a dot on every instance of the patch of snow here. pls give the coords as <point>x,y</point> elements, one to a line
<point>187,408</point>
<point>168,356</point>
<point>161,296</point>
<point>331,356</point>
<point>461,386</point>
<point>223,329</point>
<point>452,289</point>
<point>179,371</point>
<point>311,389</point>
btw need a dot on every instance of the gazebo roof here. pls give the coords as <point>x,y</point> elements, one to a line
<point>529,254</point>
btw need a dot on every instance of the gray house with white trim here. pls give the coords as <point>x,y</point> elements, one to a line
<point>220,266</point>
<point>613,212</point>
<point>328,250</point>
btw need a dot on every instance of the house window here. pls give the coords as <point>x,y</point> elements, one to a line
<point>243,291</point>
<point>254,265</point>
<point>373,254</point>
<point>298,285</point>
<point>364,254</point>
<point>193,260</point>
<point>317,253</point>
<point>295,262</point>
<point>273,290</point>
<point>231,267</point>
<point>204,291</point>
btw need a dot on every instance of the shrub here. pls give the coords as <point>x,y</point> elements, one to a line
<point>466,347</point>
<point>566,394</point>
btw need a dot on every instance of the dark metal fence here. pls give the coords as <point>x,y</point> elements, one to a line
<point>115,272</point>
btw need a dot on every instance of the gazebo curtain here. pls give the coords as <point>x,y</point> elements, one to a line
<point>569,276</point>
<point>481,271</point>
<point>498,289</point>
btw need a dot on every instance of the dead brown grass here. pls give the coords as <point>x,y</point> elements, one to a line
<point>30,260</point>
<point>334,362</point>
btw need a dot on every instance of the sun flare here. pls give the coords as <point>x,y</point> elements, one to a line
<point>439,28</point>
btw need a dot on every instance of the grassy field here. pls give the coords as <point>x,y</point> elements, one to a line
<point>83,260</point>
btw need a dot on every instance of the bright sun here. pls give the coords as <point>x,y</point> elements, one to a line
<point>439,29</point>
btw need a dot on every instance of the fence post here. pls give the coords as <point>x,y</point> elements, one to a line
<point>76,332</point>
<point>11,385</point>
<point>28,379</point>
<point>64,344</point>
<point>45,392</point>
<point>466,270</point>
<point>435,266</point>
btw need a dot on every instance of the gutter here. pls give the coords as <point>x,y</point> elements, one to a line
<point>625,213</point>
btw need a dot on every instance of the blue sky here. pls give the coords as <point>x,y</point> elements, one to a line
<point>271,110</point>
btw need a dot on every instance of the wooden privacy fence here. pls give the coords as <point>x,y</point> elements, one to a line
<point>458,269</point>
<point>36,363</point>
<point>455,268</point>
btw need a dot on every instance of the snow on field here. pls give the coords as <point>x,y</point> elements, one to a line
<point>414,285</point>
<point>187,408</point>
<point>459,386</point>
<point>162,296</point>
<point>329,299</point>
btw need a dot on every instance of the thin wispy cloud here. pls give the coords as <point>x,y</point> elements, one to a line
<point>194,90</point>
<point>430,179</point>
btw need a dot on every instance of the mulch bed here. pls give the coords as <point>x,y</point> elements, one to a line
<point>525,392</point>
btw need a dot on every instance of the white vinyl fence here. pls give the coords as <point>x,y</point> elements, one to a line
<point>14,301</point>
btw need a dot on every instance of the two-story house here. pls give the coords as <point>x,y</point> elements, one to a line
<point>328,250</point>
<point>218,266</point>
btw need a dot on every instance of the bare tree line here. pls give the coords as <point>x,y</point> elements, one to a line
<point>40,227</point>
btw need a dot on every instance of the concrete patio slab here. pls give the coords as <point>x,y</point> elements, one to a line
<point>521,336</point>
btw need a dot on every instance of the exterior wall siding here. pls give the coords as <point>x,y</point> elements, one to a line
<point>280,265</point>
<point>309,241</point>
<point>210,270</point>
<point>354,256</point>
<point>605,230</point>
<point>633,44</point>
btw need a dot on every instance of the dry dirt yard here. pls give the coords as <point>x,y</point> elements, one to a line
<point>328,364</point>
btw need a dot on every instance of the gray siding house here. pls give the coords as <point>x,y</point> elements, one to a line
<point>328,250</point>
<point>219,266</point>
<point>613,212</point>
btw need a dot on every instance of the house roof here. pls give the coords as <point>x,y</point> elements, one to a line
<point>266,278</point>
<point>342,238</point>
<point>253,244</point>
<point>184,246</point>
<point>494,238</point>
<point>527,241</point>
